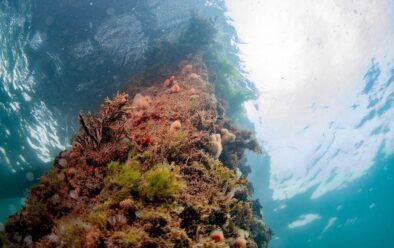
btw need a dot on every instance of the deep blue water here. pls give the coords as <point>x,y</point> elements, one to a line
<point>60,57</point>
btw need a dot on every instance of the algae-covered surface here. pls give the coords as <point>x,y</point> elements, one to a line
<point>157,166</point>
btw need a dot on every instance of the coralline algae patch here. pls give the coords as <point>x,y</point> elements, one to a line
<point>158,169</point>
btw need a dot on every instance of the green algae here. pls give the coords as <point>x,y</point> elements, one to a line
<point>72,233</point>
<point>128,176</point>
<point>160,183</point>
<point>98,218</point>
<point>131,238</point>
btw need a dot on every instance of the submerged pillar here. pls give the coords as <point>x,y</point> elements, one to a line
<point>157,168</point>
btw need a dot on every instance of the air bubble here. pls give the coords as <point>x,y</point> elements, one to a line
<point>110,11</point>
<point>49,20</point>
<point>30,176</point>
<point>12,208</point>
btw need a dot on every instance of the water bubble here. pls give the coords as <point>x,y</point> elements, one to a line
<point>30,176</point>
<point>372,205</point>
<point>110,11</point>
<point>49,20</point>
<point>12,208</point>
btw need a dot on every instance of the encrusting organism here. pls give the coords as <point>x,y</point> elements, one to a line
<point>126,204</point>
<point>187,69</point>
<point>175,126</point>
<point>217,236</point>
<point>227,136</point>
<point>167,82</point>
<point>175,88</point>
<point>141,102</point>
<point>194,76</point>
<point>216,144</point>
<point>240,243</point>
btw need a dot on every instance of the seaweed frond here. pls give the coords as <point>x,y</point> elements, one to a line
<point>161,182</point>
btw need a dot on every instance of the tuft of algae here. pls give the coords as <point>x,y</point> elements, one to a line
<point>144,172</point>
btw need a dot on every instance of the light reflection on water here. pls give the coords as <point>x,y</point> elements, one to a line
<point>325,71</point>
<point>324,109</point>
<point>333,152</point>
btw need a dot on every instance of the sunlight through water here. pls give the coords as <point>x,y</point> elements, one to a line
<point>324,73</point>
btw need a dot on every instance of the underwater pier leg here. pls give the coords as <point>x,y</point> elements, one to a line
<point>155,167</point>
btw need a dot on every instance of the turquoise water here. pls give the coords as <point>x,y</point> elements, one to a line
<point>345,203</point>
<point>343,195</point>
<point>358,216</point>
<point>326,179</point>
